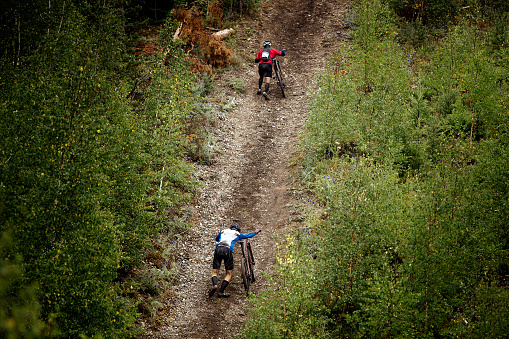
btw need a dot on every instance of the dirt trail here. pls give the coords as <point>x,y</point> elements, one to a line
<point>250,181</point>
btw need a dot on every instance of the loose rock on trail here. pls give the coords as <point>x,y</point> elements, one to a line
<point>250,181</point>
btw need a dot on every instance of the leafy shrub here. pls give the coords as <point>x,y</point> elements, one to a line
<point>237,84</point>
<point>410,175</point>
<point>436,12</point>
<point>19,308</point>
<point>361,105</point>
<point>88,175</point>
<point>240,7</point>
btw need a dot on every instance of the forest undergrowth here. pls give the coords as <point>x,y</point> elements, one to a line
<point>100,130</point>
<point>405,152</point>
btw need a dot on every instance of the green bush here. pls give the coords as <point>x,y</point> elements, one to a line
<point>19,307</point>
<point>237,84</point>
<point>405,151</point>
<point>87,174</point>
<point>435,12</point>
<point>364,102</point>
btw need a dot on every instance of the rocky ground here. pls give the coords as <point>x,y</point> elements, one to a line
<point>251,181</point>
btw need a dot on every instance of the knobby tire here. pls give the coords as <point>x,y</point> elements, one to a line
<point>251,261</point>
<point>279,76</point>
<point>244,272</point>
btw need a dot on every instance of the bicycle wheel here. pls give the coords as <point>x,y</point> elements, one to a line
<point>252,274</point>
<point>251,261</point>
<point>279,77</point>
<point>244,273</point>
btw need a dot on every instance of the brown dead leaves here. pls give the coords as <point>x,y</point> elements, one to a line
<point>215,52</point>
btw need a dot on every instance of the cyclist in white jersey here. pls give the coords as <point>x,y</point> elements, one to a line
<point>226,240</point>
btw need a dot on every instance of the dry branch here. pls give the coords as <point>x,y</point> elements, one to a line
<point>177,32</point>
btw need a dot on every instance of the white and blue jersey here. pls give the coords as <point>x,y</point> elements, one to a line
<point>228,238</point>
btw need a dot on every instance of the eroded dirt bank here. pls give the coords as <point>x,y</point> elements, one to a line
<point>250,181</point>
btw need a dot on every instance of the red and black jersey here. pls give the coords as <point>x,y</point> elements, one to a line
<point>273,53</point>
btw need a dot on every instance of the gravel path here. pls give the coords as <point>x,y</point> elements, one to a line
<point>251,181</point>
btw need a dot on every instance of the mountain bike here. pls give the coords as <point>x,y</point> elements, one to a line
<point>279,75</point>
<point>246,265</point>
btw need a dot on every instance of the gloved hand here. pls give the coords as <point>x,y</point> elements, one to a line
<point>258,230</point>
<point>283,52</point>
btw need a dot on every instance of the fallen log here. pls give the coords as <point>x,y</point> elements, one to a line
<point>223,33</point>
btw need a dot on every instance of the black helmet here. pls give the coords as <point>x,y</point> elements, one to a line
<point>267,44</point>
<point>235,227</point>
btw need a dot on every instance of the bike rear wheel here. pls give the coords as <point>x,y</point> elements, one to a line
<point>279,77</point>
<point>245,274</point>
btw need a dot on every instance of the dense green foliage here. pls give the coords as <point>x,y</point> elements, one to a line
<point>445,12</point>
<point>93,164</point>
<point>405,151</point>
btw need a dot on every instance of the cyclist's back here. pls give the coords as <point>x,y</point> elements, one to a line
<point>264,60</point>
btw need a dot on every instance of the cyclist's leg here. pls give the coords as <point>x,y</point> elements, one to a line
<point>265,72</point>
<point>221,254</point>
<point>261,73</point>
<point>215,280</point>
<point>229,270</point>
<point>226,281</point>
<point>216,261</point>
<point>216,265</point>
<point>228,276</point>
<point>215,273</point>
<point>266,91</point>
<point>268,76</point>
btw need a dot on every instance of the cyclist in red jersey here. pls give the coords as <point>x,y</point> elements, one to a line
<point>264,61</point>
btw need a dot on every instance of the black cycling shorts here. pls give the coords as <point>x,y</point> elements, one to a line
<point>223,253</point>
<point>265,70</point>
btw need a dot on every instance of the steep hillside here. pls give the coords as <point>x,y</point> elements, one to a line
<point>251,181</point>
